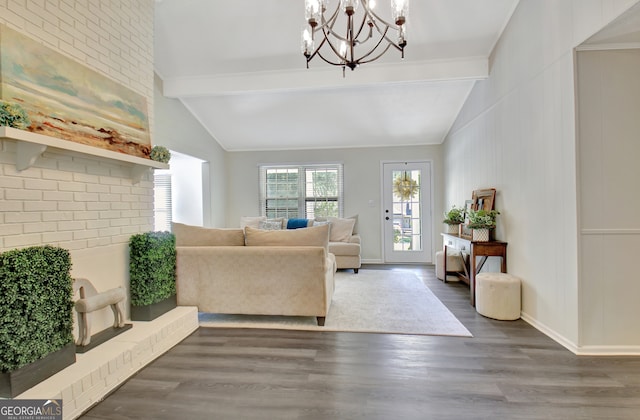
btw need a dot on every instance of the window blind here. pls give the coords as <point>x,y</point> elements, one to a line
<point>301,191</point>
<point>162,207</point>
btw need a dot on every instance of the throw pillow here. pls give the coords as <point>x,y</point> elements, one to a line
<point>341,229</point>
<point>269,224</point>
<point>187,235</point>
<point>297,223</point>
<point>317,222</point>
<point>355,226</point>
<point>313,236</point>
<point>252,221</point>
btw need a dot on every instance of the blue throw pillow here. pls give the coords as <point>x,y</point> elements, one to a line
<point>297,223</point>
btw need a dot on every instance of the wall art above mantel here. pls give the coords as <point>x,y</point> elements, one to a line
<point>70,101</point>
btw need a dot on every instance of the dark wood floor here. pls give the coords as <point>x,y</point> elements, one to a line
<point>508,370</point>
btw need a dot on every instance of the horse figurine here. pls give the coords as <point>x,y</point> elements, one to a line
<point>90,300</point>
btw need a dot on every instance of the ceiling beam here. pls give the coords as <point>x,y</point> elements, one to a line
<point>323,76</point>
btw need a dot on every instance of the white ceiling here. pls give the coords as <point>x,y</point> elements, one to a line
<point>238,68</point>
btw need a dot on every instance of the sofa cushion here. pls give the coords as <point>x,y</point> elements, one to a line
<point>187,235</point>
<point>344,248</point>
<point>313,236</point>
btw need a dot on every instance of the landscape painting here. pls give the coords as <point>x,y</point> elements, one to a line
<point>68,100</point>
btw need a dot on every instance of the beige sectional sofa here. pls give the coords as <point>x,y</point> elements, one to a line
<point>255,272</point>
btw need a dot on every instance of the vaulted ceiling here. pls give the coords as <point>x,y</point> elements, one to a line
<point>238,68</point>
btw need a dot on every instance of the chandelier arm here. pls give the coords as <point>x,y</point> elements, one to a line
<point>384,33</point>
<point>335,51</point>
<point>372,50</point>
<point>329,23</point>
<point>325,39</point>
<point>328,30</point>
<point>361,61</point>
<point>378,18</point>
<point>364,20</point>
<point>329,61</point>
<point>316,51</point>
<point>394,45</point>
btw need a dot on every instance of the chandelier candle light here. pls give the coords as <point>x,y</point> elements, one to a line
<point>360,44</point>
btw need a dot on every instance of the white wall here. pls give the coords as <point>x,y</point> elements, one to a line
<point>178,130</point>
<point>87,205</point>
<point>516,133</point>
<point>361,184</point>
<point>609,129</point>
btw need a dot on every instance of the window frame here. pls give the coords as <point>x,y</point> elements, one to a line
<point>302,198</point>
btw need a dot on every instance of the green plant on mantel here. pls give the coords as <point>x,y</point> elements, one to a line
<point>36,304</point>
<point>13,115</point>
<point>160,154</point>
<point>482,219</point>
<point>455,216</point>
<point>152,267</point>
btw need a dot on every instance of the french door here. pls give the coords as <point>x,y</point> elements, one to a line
<point>406,194</point>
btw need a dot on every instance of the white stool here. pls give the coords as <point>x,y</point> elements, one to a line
<point>498,296</point>
<point>455,262</point>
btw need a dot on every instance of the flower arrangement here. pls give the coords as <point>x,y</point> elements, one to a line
<point>482,219</point>
<point>13,115</point>
<point>160,154</point>
<point>455,216</point>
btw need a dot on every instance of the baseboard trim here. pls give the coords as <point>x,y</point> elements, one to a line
<point>560,339</point>
<point>372,262</point>
<point>633,350</point>
<point>609,351</point>
<point>380,262</point>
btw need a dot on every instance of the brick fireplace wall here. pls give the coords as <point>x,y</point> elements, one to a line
<point>89,205</point>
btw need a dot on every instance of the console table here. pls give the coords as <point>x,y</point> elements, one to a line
<point>475,249</point>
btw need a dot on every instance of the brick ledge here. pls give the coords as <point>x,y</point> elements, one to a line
<point>101,370</point>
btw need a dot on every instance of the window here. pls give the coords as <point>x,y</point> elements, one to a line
<point>305,191</point>
<point>162,200</point>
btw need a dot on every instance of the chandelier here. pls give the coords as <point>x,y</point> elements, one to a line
<point>366,38</point>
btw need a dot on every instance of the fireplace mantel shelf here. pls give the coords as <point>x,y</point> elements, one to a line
<point>31,145</point>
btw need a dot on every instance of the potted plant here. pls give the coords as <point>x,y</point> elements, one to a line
<point>152,274</point>
<point>453,218</point>
<point>481,222</point>
<point>36,319</point>
<point>160,154</point>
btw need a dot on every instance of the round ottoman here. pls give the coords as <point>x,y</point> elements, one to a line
<point>498,296</point>
<point>454,263</point>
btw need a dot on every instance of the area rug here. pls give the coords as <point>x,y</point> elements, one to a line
<point>372,301</point>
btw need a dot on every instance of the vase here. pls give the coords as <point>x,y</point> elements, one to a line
<point>452,229</point>
<point>480,235</point>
